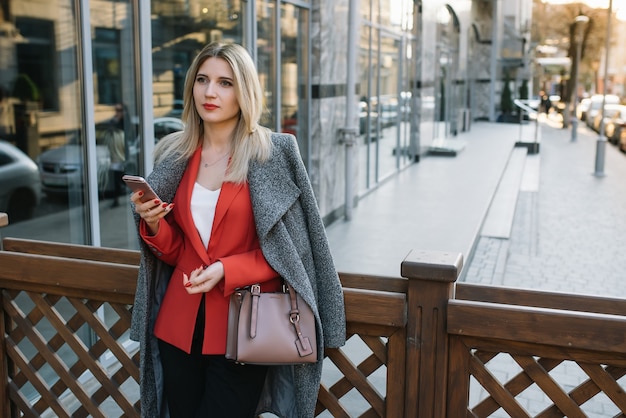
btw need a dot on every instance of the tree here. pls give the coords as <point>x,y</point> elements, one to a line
<point>554,24</point>
<point>523,90</point>
<point>25,89</point>
<point>506,100</point>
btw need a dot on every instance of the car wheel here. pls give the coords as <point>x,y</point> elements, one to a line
<point>21,205</point>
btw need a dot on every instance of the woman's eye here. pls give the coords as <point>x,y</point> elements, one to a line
<point>226,83</point>
<point>201,80</point>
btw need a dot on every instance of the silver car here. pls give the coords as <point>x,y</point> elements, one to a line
<point>20,188</point>
<point>62,168</point>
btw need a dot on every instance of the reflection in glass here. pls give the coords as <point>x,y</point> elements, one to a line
<point>115,92</point>
<point>40,113</point>
<point>384,105</point>
<point>266,58</point>
<point>294,75</point>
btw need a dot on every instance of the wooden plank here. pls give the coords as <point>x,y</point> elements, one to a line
<point>375,308</point>
<point>383,284</point>
<point>4,363</point>
<point>344,385</point>
<point>617,359</point>
<point>496,390</point>
<point>361,384</point>
<point>327,401</point>
<point>540,299</point>
<point>549,386</point>
<point>583,330</point>
<point>83,252</point>
<point>396,374</point>
<point>458,378</point>
<point>515,386</point>
<point>583,392</point>
<point>606,382</point>
<point>50,273</point>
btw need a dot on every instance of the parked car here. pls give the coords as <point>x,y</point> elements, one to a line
<point>61,168</point>
<point>596,103</point>
<point>609,111</point>
<point>622,140</point>
<point>177,109</point>
<point>20,187</point>
<point>582,108</point>
<point>616,125</point>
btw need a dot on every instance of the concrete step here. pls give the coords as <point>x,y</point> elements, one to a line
<point>499,218</point>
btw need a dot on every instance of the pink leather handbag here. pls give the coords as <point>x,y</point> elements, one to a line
<point>270,328</point>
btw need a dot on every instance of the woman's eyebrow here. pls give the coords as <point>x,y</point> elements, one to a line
<point>220,77</point>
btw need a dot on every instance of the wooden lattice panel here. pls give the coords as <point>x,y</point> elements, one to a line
<point>373,350</point>
<point>67,357</point>
<point>365,378</point>
<point>523,385</point>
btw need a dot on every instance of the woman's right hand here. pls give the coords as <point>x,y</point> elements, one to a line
<point>151,211</point>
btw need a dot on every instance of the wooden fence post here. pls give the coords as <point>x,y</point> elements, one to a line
<point>4,221</point>
<point>432,276</point>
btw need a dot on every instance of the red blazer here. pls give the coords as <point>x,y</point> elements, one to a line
<point>233,241</point>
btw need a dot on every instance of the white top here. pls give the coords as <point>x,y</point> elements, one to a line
<point>203,204</point>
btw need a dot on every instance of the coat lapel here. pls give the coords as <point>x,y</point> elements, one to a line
<point>272,191</point>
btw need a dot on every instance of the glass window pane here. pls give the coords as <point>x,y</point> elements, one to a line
<point>41,109</point>
<point>295,75</point>
<point>266,58</point>
<point>116,110</point>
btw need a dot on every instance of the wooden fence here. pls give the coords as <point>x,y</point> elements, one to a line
<point>427,344</point>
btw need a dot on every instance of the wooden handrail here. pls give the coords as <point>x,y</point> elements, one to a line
<point>541,299</point>
<point>554,327</point>
<point>76,251</point>
<point>68,277</point>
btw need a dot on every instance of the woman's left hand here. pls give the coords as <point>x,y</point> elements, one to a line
<point>203,279</point>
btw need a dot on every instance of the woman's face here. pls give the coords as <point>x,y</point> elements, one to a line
<point>214,93</point>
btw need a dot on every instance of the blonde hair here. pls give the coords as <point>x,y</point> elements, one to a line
<point>250,141</point>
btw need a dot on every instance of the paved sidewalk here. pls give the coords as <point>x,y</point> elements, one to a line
<point>438,204</point>
<point>569,230</point>
<point>542,221</point>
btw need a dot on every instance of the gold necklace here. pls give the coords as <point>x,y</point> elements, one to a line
<point>207,165</point>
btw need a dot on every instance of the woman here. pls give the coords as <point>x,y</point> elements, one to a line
<point>114,140</point>
<point>236,208</point>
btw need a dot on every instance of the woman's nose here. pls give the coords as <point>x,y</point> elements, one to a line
<point>209,90</point>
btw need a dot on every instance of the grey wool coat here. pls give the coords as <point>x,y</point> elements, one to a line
<point>293,240</point>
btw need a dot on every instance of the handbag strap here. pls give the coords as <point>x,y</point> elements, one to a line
<point>255,291</point>
<point>304,348</point>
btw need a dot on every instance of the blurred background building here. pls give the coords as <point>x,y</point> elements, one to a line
<point>69,70</point>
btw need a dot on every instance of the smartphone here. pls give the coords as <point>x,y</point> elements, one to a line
<point>136,183</point>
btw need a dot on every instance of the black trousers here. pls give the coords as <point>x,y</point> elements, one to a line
<point>203,386</point>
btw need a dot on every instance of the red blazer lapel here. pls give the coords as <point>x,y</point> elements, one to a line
<point>183,202</point>
<point>227,196</point>
<point>183,206</point>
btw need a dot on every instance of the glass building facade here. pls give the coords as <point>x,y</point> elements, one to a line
<point>72,70</point>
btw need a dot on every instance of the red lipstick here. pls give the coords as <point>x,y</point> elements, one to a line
<point>210,106</point>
